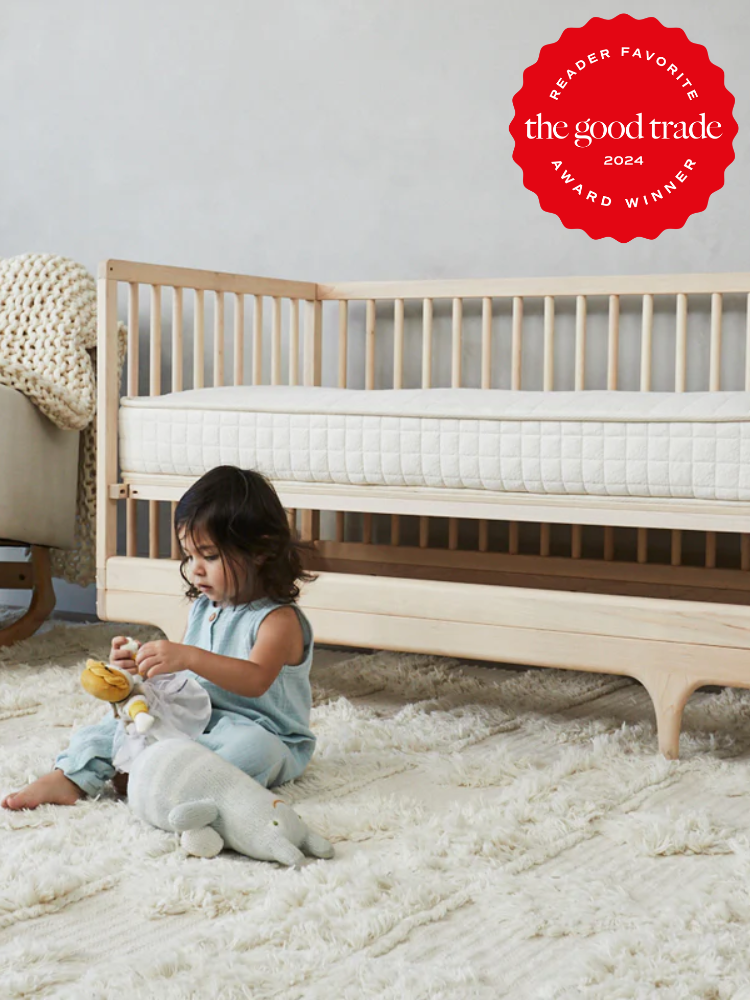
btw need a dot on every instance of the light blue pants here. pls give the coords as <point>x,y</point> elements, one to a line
<point>87,761</point>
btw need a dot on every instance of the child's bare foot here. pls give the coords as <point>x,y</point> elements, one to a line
<point>53,787</point>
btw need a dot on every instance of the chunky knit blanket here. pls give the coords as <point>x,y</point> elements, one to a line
<point>48,352</point>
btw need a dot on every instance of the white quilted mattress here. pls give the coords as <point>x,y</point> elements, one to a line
<point>694,445</point>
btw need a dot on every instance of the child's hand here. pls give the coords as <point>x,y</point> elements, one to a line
<point>161,657</point>
<point>120,657</point>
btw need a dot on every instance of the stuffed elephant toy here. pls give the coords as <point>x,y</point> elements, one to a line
<point>181,786</point>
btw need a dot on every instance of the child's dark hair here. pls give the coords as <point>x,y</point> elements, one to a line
<point>241,513</point>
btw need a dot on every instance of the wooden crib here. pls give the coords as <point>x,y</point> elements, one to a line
<point>653,588</point>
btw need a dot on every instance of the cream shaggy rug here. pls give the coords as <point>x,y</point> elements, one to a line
<point>498,833</point>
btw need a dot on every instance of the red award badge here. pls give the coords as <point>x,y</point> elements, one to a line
<point>623,128</point>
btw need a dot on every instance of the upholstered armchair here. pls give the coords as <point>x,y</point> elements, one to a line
<point>38,477</point>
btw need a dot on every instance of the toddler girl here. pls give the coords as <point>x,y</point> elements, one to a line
<point>246,642</point>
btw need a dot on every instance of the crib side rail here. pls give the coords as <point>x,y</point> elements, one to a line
<point>570,333</point>
<point>133,272</point>
<point>202,350</point>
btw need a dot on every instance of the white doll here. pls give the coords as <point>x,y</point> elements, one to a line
<point>167,706</point>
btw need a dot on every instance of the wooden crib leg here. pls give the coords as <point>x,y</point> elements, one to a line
<point>42,601</point>
<point>669,693</point>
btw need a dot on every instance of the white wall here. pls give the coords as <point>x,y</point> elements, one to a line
<point>316,140</point>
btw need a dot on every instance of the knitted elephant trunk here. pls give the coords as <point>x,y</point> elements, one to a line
<point>181,786</point>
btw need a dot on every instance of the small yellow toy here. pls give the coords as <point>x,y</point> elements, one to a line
<point>168,706</point>
<point>121,689</point>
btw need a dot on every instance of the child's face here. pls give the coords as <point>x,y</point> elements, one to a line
<point>208,571</point>
<point>205,567</point>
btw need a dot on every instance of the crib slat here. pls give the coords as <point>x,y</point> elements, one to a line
<point>580,362</point>
<point>680,364</point>
<point>239,339</point>
<point>294,342</point>
<point>647,329</point>
<point>343,342</point>
<point>276,342</point>
<point>398,383</point>
<point>199,317</point>
<point>452,533</point>
<point>680,381</point>
<point>313,346</point>
<point>613,344</point>
<point>310,525</point>
<point>484,536</point>
<point>370,321</point>
<point>131,504</point>
<point>367,528</point>
<point>676,551</point>
<point>427,316</point>
<point>154,390</point>
<point>395,529</point>
<point>515,362</point>
<point>155,342</point>
<point>647,325</point>
<point>710,550</point>
<point>544,539</point>
<point>398,344</point>
<point>424,532</point>
<point>458,309</point>
<point>515,383</point>
<point>426,343</point>
<point>340,525</point>
<point>647,319</point>
<point>714,384</point>
<point>176,340</point>
<point>486,376</point>
<point>576,541</point>
<point>131,527</point>
<point>486,342</point>
<point>133,336</point>
<point>714,376</point>
<point>174,548</point>
<point>549,343</point>
<point>456,346</point>
<point>642,546</point>
<point>513,538</point>
<point>258,340</point>
<point>219,338</point>
<point>153,529</point>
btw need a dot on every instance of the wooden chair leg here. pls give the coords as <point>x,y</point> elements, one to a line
<point>42,600</point>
